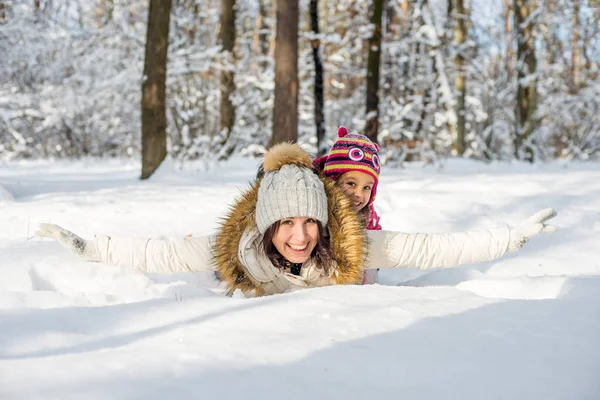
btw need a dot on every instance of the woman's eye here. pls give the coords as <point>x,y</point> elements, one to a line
<point>286,222</point>
<point>311,221</point>
<point>351,184</point>
<point>367,187</point>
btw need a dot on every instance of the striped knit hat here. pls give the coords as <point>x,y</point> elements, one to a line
<point>351,152</point>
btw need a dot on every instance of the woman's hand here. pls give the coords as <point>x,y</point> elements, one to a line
<point>531,227</point>
<point>85,249</point>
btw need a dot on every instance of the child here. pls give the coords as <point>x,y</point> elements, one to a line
<point>353,162</point>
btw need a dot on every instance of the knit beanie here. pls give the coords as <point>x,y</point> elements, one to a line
<point>352,152</point>
<point>290,187</point>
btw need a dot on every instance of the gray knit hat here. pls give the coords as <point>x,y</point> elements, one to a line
<point>290,188</point>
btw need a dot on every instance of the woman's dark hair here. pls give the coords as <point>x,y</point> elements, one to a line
<point>364,214</point>
<point>322,255</point>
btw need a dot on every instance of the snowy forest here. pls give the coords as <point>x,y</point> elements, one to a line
<point>426,79</point>
<point>133,185</point>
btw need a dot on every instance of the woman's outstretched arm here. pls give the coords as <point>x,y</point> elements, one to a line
<point>165,255</point>
<point>421,250</point>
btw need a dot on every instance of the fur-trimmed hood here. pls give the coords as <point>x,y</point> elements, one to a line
<point>347,232</point>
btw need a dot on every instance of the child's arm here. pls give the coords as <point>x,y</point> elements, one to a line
<point>420,250</point>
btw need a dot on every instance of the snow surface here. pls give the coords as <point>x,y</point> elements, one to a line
<point>524,327</point>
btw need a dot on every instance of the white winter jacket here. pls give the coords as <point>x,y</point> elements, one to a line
<point>386,250</point>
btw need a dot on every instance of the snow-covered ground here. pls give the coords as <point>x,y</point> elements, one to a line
<point>524,327</point>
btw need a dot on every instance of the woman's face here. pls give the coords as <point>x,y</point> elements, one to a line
<point>357,185</point>
<point>296,238</point>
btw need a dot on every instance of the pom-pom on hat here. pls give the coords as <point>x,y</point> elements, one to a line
<point>352,152</point>
<point>290,188</point>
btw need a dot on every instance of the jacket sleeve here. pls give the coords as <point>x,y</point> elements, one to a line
<point>389,249</point>
<point>164,255</point>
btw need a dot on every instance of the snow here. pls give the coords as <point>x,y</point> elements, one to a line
<point>5,196</point>
<point>523,327</point>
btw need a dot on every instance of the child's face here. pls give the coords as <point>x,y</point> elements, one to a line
<point>357,185</point>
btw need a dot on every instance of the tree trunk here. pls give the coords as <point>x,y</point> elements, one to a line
<point>391,33</point>
<point>372,123</point>
<point>285,109</point>
<point>590,33</point>
<point>460,35</point>
<point>575,49</point>
<point>227,38</point>
<point>527,83</point>
<point>319,98</point>
<point>406,16</point>
<point>552,37</point>
<point>104,12</point>
<point>2,12</point>
<point>438,67</point>
<point>407,32</point>
<point>154,123</point>
<point>510,54</point>
<point>260,46</point>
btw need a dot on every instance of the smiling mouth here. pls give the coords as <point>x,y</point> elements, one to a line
<point>298,248</point>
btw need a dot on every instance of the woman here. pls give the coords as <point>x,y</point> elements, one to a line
<point>294,229</point>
